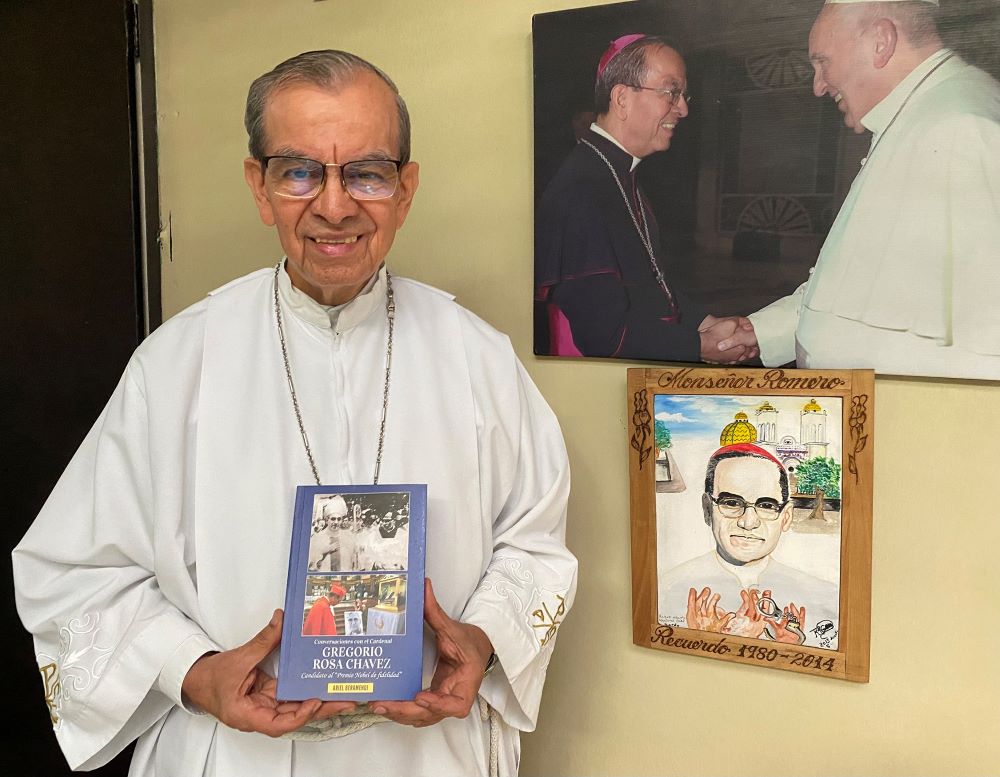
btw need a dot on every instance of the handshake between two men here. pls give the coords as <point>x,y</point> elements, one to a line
<point>727,340</point>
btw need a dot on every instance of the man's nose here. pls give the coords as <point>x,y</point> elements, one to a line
<point>681,106</point>
<point>749,519</point>
<point>820,86</point>
<point>333,202</point>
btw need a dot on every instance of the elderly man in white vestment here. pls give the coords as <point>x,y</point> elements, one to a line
<point>151,624</point>
<point>908,279</point>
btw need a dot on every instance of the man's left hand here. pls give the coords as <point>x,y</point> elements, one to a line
<point>463,651</point>
<point>788,628</point>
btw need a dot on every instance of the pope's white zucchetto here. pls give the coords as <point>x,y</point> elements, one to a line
<point>845,2</point>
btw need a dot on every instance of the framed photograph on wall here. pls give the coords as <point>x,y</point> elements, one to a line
<point>692,166</point>
<point>751,511</point>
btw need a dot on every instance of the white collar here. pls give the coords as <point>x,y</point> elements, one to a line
<point>878,118</point>
<point>605,134</point>
<point>748,574</point>
<point>336,317</point>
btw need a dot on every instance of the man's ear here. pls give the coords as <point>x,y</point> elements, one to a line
<point>706,508</point>
<point>885,36</point>
<point>253,172</point>
<point>619,101</point>
<point>409,180</point>
<point>786,516</point>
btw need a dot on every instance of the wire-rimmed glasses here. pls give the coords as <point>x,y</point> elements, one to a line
<point>673,95</point>
<point>302,178</point>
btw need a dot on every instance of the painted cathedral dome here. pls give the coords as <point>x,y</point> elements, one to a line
<point>738,430</point>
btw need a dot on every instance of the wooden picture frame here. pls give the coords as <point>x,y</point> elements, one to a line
<point>758,570</point>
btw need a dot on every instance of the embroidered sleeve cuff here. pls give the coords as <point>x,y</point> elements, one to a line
<point>176,668</point>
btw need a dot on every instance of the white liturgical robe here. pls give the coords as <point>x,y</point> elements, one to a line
<point>168,533</point>
<point>908,279</point>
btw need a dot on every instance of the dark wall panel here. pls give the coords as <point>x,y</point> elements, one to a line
<point>71,311</point>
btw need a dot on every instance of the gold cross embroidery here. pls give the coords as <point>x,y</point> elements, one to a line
<point>550,622</point>
<point>50,679</point>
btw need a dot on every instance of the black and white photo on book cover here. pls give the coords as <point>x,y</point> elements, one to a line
<point>359,532</point>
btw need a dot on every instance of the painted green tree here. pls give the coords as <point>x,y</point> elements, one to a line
<point>662,435</point>
<point>819,474</point>
<point>661,438</point>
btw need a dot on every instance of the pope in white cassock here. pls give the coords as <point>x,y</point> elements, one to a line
<point>148,575</point>
<point>908,279</point>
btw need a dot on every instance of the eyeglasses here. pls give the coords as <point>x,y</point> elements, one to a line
<point>301,178</point>
<point>674,95</point>
<point>733,506</point>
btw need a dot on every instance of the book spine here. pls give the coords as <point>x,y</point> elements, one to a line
<point>292,623</point>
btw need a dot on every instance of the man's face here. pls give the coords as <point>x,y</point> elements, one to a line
<point>334,512</point>
<point>334,243</point>
<point>650,117</point>
<point>387,526</point>
<point>837,48</point>
<point>749,537</point>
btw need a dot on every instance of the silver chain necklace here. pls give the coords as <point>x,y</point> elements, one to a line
<point>643,230</point>
<point>390,314</point>
<point>899,110</point>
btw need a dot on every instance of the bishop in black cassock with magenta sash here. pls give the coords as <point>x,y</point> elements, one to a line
<point>603,284</point>
<point>593,276</point>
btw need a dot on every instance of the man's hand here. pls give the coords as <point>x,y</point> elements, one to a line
<point>232,687</point>
<point>748,621</point>
<point>463,651</point>
<point>788,628</point>
<point>704,613</point>
<point>729,340</point>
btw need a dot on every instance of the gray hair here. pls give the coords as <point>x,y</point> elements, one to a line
<point>327,68</point>
<point>627,67</point>
<point>915,19</point>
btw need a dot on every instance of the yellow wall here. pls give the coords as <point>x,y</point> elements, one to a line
<point>611,708</point>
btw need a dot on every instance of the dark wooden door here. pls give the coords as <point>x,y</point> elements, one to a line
<point>73,307</point>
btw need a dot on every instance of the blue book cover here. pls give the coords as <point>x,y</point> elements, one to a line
<point>354,600</point>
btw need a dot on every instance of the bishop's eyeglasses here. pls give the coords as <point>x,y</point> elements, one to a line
<point>673,95</point>
<point>302,178</point>
<point>733,506</point>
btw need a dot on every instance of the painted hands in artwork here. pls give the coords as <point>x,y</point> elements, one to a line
<point>704,612</point>
<point>788,627</point>
<point>749,620</point>
<point>727,340</point>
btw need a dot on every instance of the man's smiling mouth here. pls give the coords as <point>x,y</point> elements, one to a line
<point>336,241</point>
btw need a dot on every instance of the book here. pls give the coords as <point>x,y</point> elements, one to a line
<point>354,599</point>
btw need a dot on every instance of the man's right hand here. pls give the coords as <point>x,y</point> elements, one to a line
<point>233,688</point>
<point>704,613</point>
